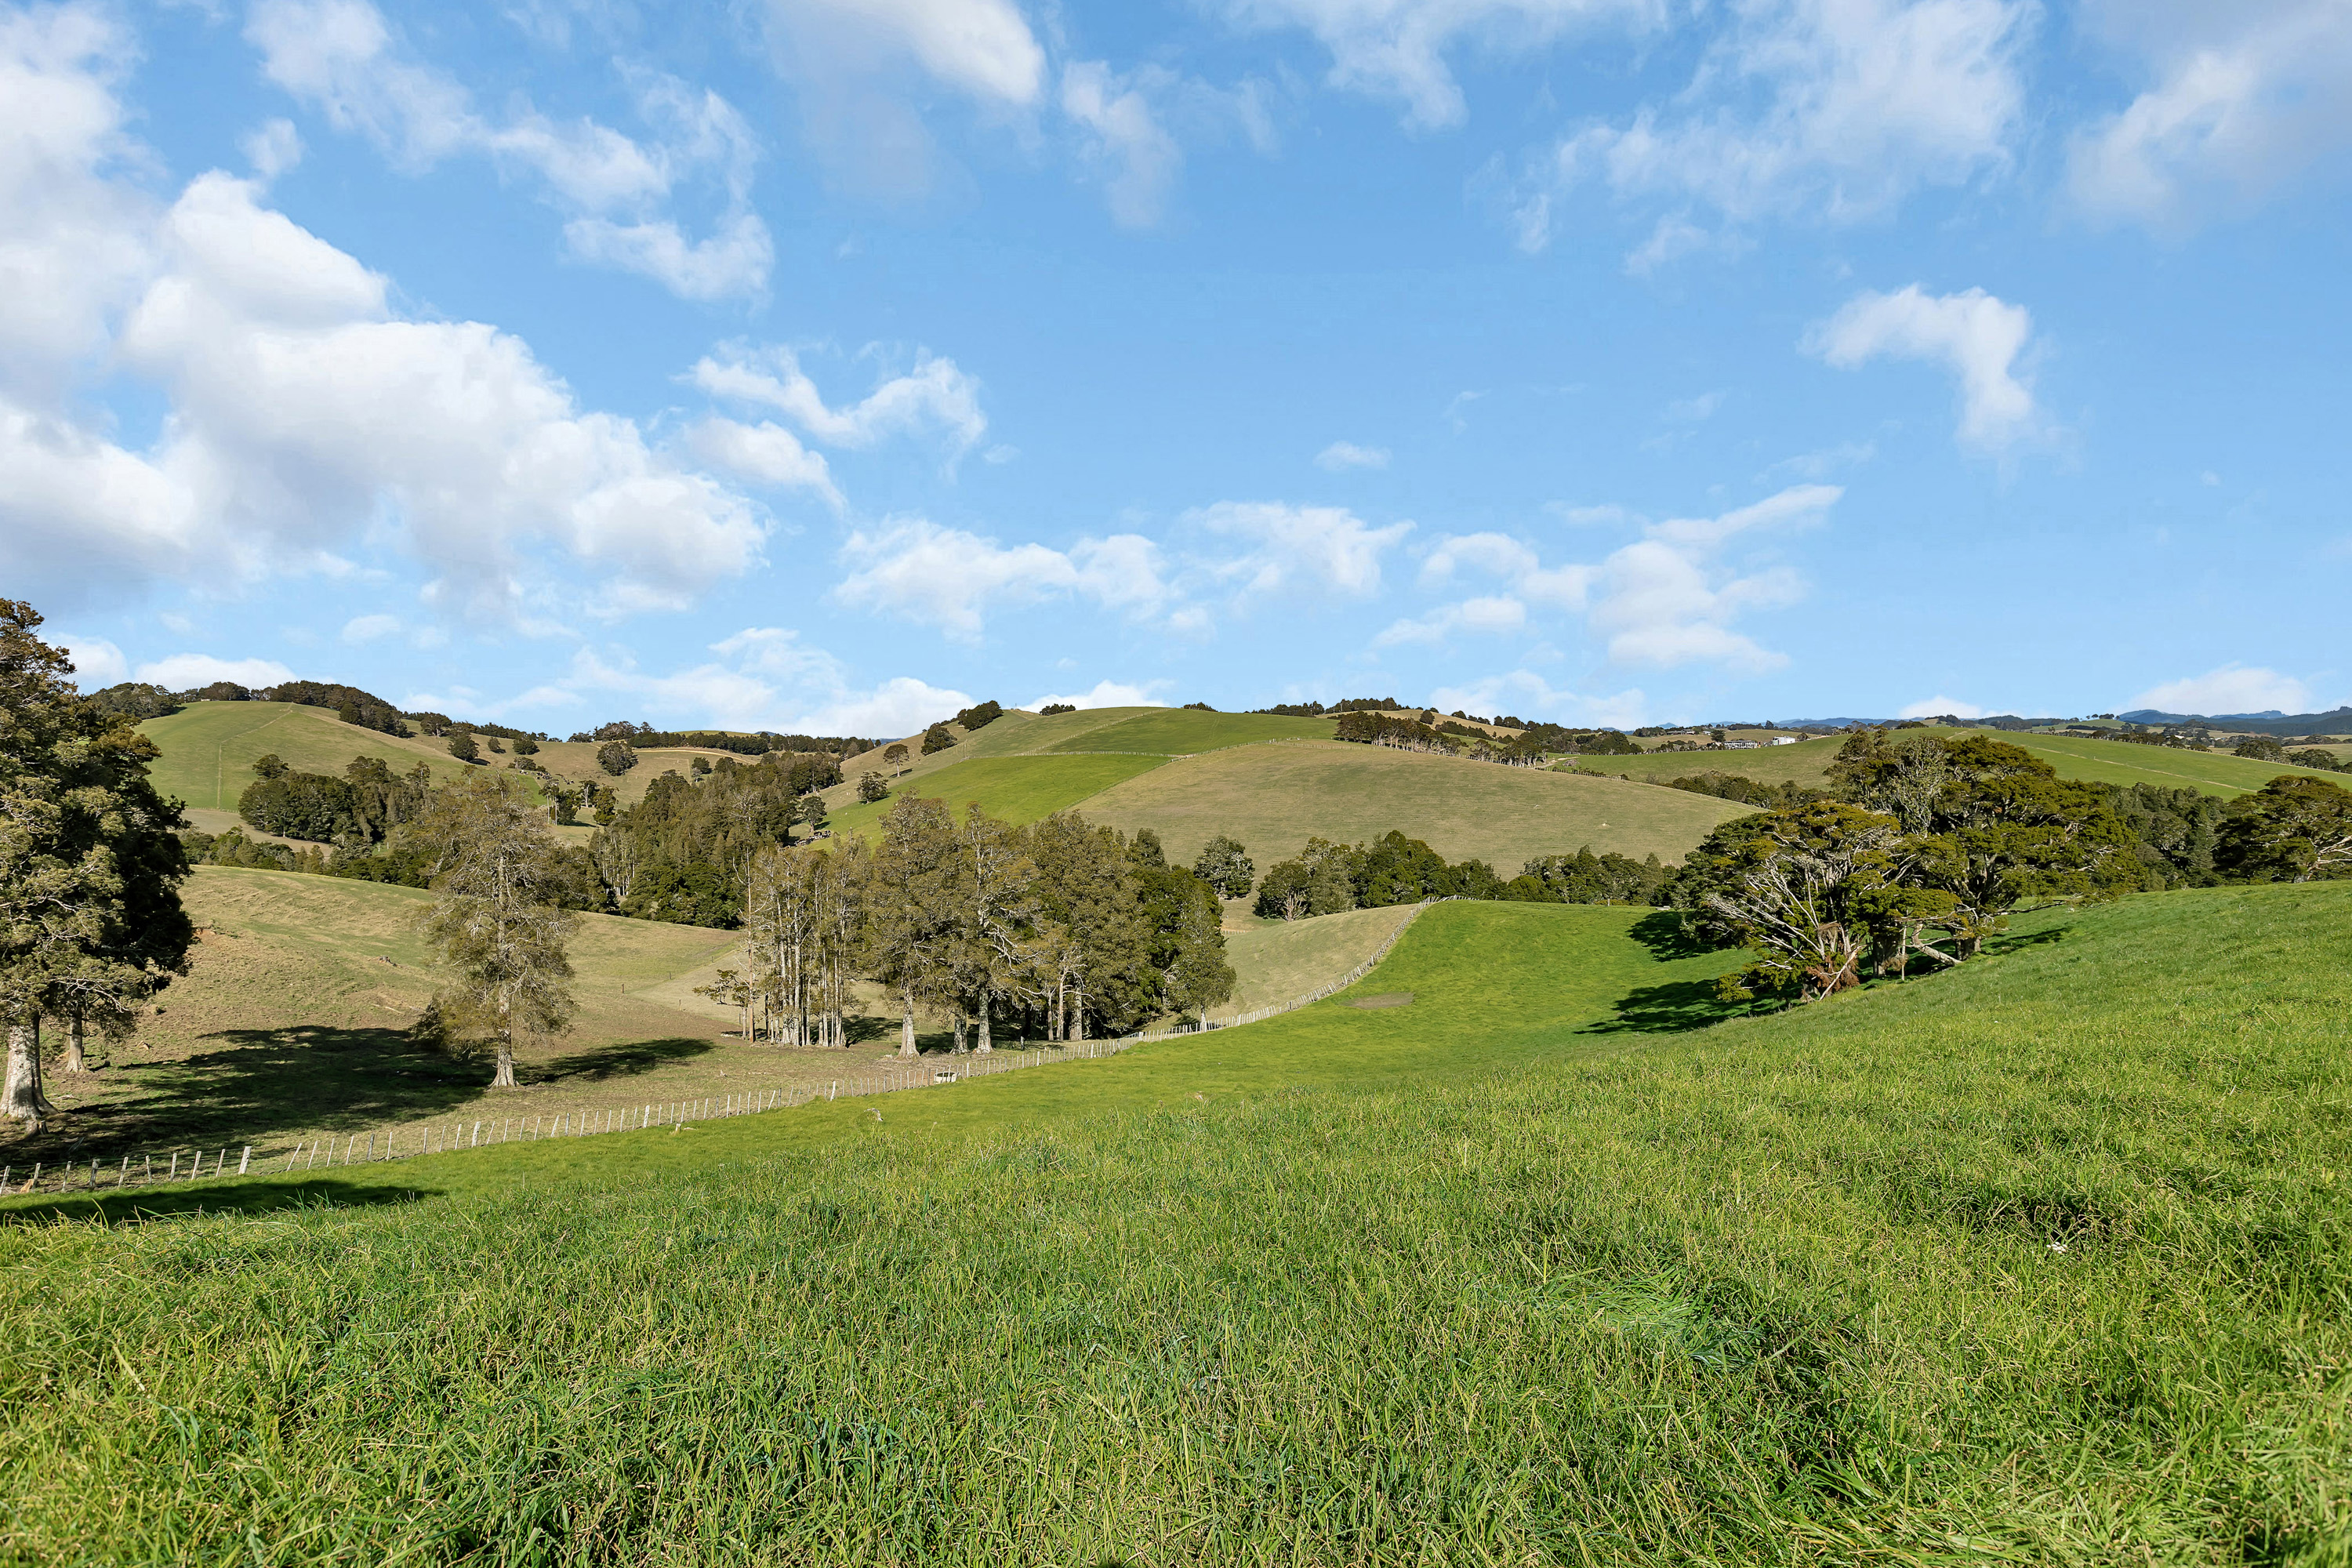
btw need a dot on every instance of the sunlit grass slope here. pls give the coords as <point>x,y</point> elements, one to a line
<point>209,748</point>
<point>1274,797</point>
<point>1276,960</point>
<point>2040,1261</point>
<point>1178,731</point>
<point>1015,789</point>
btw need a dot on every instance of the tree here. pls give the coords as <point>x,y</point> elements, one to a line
<point>870,788</point>
<point>980,715</point>
<point>270,765</point>
<point>2293,829</point>
<point>895,755</point>
<point>525,746</point>
<point>617,757</point>
<point>1799,888</point>
<point>998,882</point>
<point>499,919</point>
<point>566,809</point>
<point>91,922</point>
<point>915,908</point>
<point>812,811</point>
<point>1225,865</point>
<point>1199,978</point>
<point>462,747</point>
<point>937,739</point>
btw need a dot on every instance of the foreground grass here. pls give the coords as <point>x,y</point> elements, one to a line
<point>2041,1261</point>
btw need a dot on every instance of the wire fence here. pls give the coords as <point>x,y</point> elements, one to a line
<point>411,1140</point>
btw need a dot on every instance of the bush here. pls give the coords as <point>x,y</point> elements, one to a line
<point>462,747</point>
<point>870,788</point>
<point>525,746</point>
<point>937,739</point>
<point>617,757</point>
<point>1053,707</point>
<point>1225,865</point>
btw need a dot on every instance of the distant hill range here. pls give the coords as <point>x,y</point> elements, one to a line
<point>2270,722</point>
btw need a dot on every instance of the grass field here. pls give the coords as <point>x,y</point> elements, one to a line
<point>209,748</point>
<point>2040,1262</point>
<point>2075,757</point>
<point>1175,731</point>
<point>1015,789</point>
<point>1273,798</point>
<point>1276,960</point>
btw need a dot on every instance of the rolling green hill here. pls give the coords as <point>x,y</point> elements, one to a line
<point>209,748</point>
<point>1176,731</point>
<point>1017,789</point>
<point>2040,1260</point>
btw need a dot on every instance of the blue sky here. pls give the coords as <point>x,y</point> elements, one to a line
<point>825,364</point>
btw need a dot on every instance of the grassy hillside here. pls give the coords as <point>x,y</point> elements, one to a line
<point>1273,798</point>
<point>2075,757</point>
<point>1274,960</point>
<point>1175,731</point>
<point>1017,789</point>
<point>209,748</point>
<point>2043,1260</point>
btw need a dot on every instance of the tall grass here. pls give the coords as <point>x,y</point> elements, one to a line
<point>2040,1261</point>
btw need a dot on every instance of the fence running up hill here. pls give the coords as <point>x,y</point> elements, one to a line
<point>438,1137</point>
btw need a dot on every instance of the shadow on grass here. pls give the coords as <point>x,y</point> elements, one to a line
<point>1672,1008</point>
<point>625,1060</point>
<point>2018,942</point>
<point>1668,936</point>
<point>247,1197</point>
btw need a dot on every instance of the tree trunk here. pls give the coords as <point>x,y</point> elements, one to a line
<point>22,1098</point>
<point>1080,1009</point>
<point>505,1077</point>
<point>74,1062</point>
<point>982,1047</point>
<point>907,1025</point>
<point>960,1034</point>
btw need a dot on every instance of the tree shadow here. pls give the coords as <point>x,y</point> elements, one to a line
<point>249,1197</point>
<point>1672,1008</point>
<point>2018,942</point>
<point>625,1060</point>
<point>864,1029</point>
<point>1669,937</point>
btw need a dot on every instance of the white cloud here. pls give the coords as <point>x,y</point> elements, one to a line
<point>765,678</point>
<point>272,150</point>
<point>1290,548</point>
<point>1524,694</point>
<point>981,47</point>
<point>1942,707</point>
<point>1343,454</point>
<point>341,58</point>
<point>184,671</point>
<point>1834,108</point>
<point>1106,694</point>
<point>97,662</point>
<point>369,629</point>
<point>952,579</point>
<point>2246,99</point>
<point>1491,614</point>
<point>304,414</point>
<point>1397,48</point>
<point>1663,600</point>
<point>934,394</point>
<point>1125,139</point>
<point>1976,336</point>
<point>763,454</point>
<point>2232,689</point>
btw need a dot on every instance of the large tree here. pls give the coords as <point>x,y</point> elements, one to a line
<point>916,909</point>
<point>91,922</point>
<point>2293,829</point>
<point>500,921</point>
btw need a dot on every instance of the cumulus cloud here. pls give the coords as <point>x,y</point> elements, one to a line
<point>934,395</point>
<point>341,58</point>
<point>762,454</point>
<point>96,662</point>
<point>1288,548</point>
<point>306,414</point>
<point>1340,455</point>
<point>370,628</point>
<point>1106,694</point>
<point>1494,613</point>
<point>2232,689</point>
<point>953,579</point>
<point>184,671</point>
<point>1138,157</point>
<point>2242,101</point>
<point>1397,48</point>
<point>981,47</point>
<point>1663,600</point>
<point>1525,694</point>
<point>765,678</point>
<point>1977,337</point>
<point>1942,707</point>
<point>1837,108</point>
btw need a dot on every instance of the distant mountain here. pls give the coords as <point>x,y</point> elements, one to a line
<point>2270,722</point>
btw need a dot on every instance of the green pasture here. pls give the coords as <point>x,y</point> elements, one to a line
<point>1177,732</point>
<point>209,748</point>
<point>1803,763</point>
<point>1273,798</point>
<point>1274,960</point>
<point>2038,1261</point>
<point>1015,789</point>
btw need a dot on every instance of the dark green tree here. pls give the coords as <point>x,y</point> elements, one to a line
<point>2293,829</point>
<point>1224,865</point>
<point>617,757</point>
<point>870,788</point>
<point>462,747</point>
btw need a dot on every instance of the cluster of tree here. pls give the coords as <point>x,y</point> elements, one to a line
<point>1587,742</point>
<point>351,705</point>
<point>2270,749</point>
<point>1062,929</point>
<point>1451,739</point>
<point>1931,842</point>
<point>366,803</point>
<point>980,715</point>
<point>91,864</point>
<point>1317,709</point>
<point>135,700</point>
<point>937,739</point>
<point>1746,791</point>
<point>1328,878</point>
<point>680,854</point>
<point>1585,877</point>
<point>1053,707</point>
<point>645,737</point>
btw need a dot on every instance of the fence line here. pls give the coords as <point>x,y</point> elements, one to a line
<point>408,1142</point>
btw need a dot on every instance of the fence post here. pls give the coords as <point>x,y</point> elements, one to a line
<point>246,1161</point>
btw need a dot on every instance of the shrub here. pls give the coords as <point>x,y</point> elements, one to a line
<point>937,739</point>
<point>870,788</point>
<point>617,757</point>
